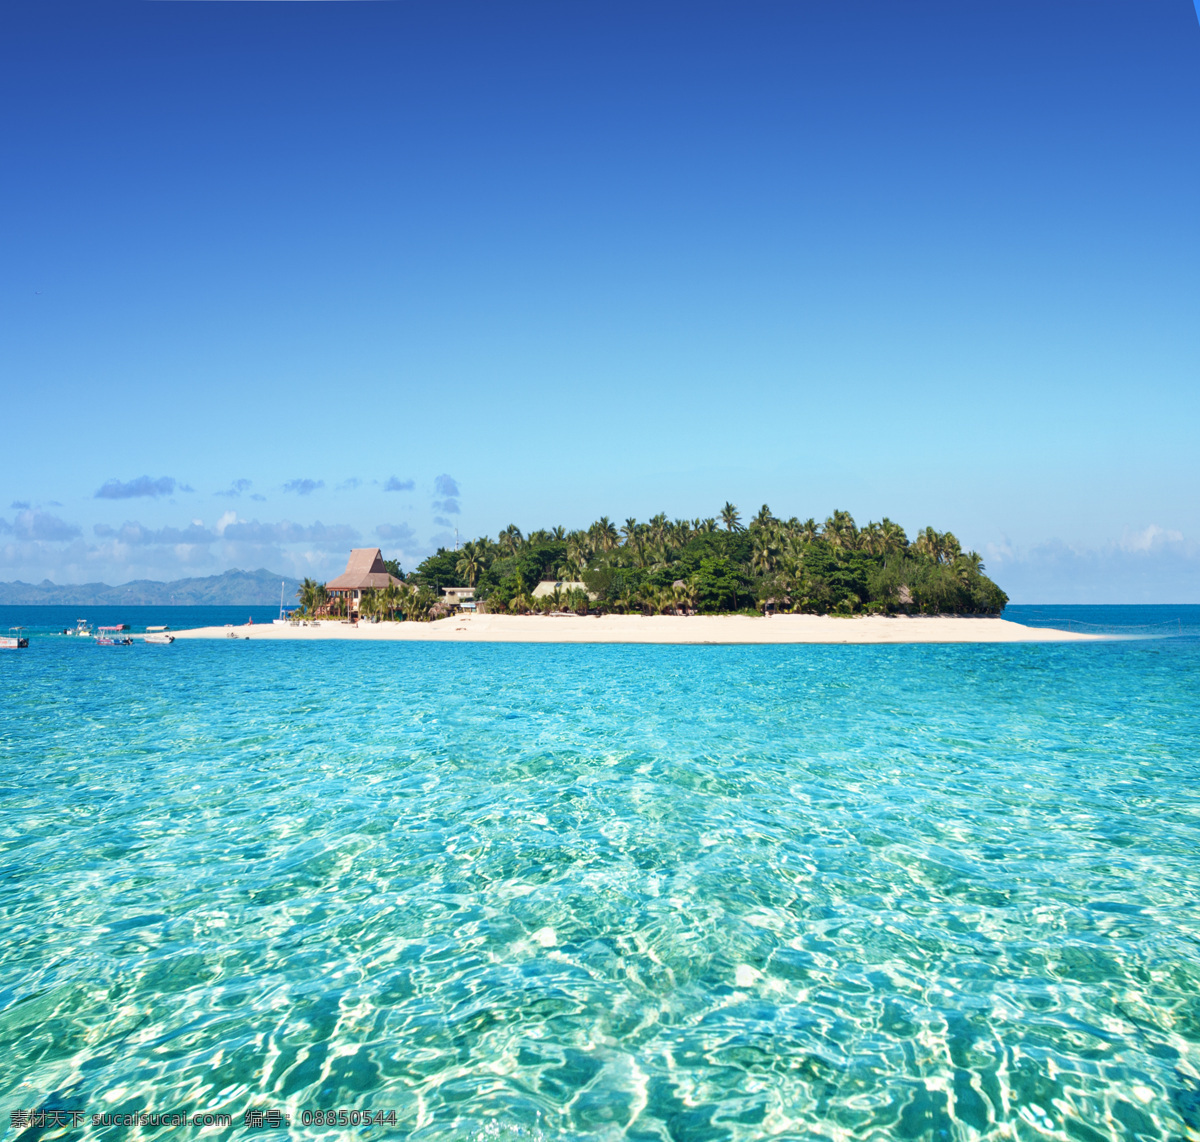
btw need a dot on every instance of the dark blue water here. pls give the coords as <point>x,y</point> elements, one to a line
<point>1168,620</point>
<point>42,620</point>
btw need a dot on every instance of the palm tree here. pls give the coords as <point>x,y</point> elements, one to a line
<point>307,594</point>
<point>928,543</point>
<point>871,539</point>
<point>470,562</point>
<point>730,517</point>
<point>765,554</point>
<point>609,536</point>
<point>840,531</point>
<point>683,594</point>
<point>511,539</point>
<point>390,599</point>
<point>764,518</point>
<point>894,538</point>
<point>629,530</point>
<point>579,553</point>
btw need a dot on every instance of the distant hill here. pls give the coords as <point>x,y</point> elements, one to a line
<point>234,588</point>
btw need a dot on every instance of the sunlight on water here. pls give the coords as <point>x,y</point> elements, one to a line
<point>605,892</point>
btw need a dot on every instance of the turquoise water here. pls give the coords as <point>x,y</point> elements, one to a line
<point>546,892</point>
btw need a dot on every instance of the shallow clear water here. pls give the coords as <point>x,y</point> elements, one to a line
<point>605,892</point>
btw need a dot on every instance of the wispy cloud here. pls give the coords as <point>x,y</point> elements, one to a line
<point>237,488</point>
<point>1152,564</point>
<point>399,533</point>
<point>135,534</point>
<point>349,484</point>
<point>287,532</point>
<point>39,526</point>
<point>447,487</point>
<point>142,486</point>
<point>395,484</point>
<point>20,505</point>
<point>303,487</point>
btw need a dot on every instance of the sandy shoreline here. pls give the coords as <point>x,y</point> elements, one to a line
<point>697,629</point>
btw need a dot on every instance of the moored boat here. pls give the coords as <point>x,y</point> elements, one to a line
<point>14,640</point>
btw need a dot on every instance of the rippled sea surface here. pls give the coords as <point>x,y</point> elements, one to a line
<point>546,892</point>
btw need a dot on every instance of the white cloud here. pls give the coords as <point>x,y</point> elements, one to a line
<point>1151,564</point>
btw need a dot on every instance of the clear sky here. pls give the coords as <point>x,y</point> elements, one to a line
<point>280,279</point>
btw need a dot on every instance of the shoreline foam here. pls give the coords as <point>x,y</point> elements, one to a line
<point>672,629</point>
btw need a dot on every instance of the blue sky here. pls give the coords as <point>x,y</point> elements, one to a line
<point>282,279</point>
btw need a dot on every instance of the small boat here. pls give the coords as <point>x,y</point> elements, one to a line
<point>81,629</point>
<point>14,640</point>
<point>159,638</point>
<point>105,636</point>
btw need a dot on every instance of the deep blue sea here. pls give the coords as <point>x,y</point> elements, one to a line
<point>603,892</point>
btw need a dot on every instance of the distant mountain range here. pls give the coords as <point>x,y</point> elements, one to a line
<point>233,588</point>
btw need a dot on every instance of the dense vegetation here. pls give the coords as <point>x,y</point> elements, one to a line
<point>667,566</point>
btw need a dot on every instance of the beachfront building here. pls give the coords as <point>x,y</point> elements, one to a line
<point>547,587</point>
<point>364,571</point>
<point>459,598</point>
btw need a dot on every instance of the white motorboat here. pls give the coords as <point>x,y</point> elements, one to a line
<point>159,638</point>
<point>81,629</point>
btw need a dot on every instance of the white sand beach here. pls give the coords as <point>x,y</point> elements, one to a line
<point>693,629</point>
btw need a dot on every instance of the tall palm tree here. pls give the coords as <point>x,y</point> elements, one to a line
<point>894,538</point>
<point>629,530</point>
<point>581,551</point>
<point>307,594</point>
<point>764,518</point>
<point>390,599</point>
<point>765,554</point>
<point>730,517</point>
<point>840,530</point>
<point>511,539</point>
<point>871,539</point>
<point>603,535</point>
<point>927,543</point>
<point>470,562</point>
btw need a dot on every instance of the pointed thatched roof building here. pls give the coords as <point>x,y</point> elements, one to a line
<point>365,570</point>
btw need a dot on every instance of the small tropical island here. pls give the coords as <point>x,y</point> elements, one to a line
<point>677,567</point>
